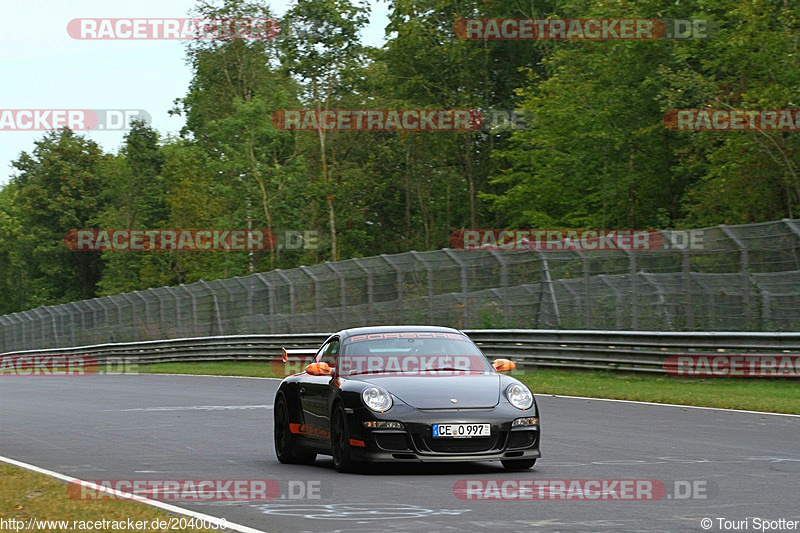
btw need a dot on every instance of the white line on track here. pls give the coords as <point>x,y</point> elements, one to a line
<point>161,505</point>
<point>194,408</point>
<point>668,405</point>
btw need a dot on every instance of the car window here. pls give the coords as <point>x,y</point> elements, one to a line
<point>410,353</point>
<point>322,351</point>
<point>329,353</point>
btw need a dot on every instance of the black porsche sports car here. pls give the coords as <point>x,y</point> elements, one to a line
<point>405,393</point>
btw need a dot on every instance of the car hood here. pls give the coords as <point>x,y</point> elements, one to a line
<point>436,392</point>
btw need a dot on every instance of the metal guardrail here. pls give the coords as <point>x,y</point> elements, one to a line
<point>639,351</point>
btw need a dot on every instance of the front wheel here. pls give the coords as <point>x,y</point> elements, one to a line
<point>518,464</point>
<point>340,442</point>
<point>284,447</point>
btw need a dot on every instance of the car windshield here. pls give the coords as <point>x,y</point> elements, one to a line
<point>411,353</point>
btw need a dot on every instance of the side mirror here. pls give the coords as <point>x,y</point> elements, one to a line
<point>319,369</point>
<point>503,365</point>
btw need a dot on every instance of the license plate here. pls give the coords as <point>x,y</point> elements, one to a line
<point>462,430</point>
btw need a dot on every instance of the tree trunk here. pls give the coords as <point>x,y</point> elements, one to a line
<point>264,203</point>
<point>326,180</point>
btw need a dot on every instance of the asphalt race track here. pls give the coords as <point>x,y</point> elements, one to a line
<point>196,427</point>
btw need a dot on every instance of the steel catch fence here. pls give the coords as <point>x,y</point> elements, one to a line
<point>740,278</point>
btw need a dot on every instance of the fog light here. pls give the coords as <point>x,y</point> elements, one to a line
<point>525,422</point>
<point>383,424</point>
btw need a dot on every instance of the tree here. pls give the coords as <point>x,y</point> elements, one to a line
<point>324,52</point>
<point>58,188</point>
<point>135,195</point>
<point>235,89</point>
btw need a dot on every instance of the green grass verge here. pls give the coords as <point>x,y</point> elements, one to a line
<point>777,395</point>
<point>26,495</point>
<point>232,368</point>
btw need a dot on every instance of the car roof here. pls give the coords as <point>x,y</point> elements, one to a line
<point>392,329</point>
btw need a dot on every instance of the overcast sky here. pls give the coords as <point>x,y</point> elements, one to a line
<point>44,68</point>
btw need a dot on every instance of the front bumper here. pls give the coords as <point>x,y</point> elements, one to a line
<point>416,444</point>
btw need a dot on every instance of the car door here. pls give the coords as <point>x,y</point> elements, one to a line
<point>314,393</point>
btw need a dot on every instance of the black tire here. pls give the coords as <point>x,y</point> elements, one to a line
<point>284,445</point>
<point>518,464</point>
<point>340,442</point>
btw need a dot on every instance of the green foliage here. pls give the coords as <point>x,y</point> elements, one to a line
<point>599,154</point>
<point>596,152</point>
<point>58,188</point>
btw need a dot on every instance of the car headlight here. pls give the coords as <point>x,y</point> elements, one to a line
<point>377,399</point>
<point>519,396</point>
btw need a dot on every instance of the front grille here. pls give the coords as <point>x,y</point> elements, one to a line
<point>521,439</point>
<point>392,441</point>
<point>449,445</point>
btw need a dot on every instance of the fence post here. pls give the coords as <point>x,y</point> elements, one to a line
<point>119,314</point>
<point>194,307</point>
<point>49,310</point>
<point>370,286</point>
<point>4,332</point>
<point>617,299</point>
<point>399,278</point>
<point>290,284</point>
<point>162,318</point>
<point>745,273</point>
<point>687,287</point>
<point>464,287</point>
<point>504,284</point>
<point>661,299</point>
<point>587,298</point>
<point>37,318</point>
<point>549,284</point>
<point>178,321</point>
<point>85,339</point>
<point>62,314</point>
<point>317,296</point>
<point>134,317</point>
<point>249,294</point>
<point>215,312</point>
<point>19,338</point>
<point>106,316</point>
<point>634,290</point>
<point>148,322</point>
<point>230,314</point>
<point>342,292</point>
<point>416,255</point>
<point>796,230</point>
